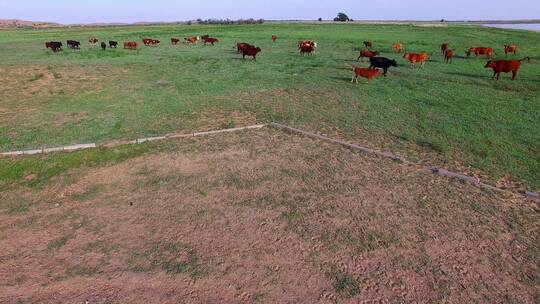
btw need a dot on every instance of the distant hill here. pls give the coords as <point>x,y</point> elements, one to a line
<point>10,23</point>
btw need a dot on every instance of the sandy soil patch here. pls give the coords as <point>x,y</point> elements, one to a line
<point>266,217</point>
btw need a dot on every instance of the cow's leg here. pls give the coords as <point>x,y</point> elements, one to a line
<point>514,74</point>
<point>385,70</point>
<point>352,79</point>
<point>244,56</point>
<point>422,65</point>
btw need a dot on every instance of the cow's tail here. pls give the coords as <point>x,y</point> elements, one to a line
<point>528,59</point>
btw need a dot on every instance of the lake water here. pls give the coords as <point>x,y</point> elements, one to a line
<point>522,26</point>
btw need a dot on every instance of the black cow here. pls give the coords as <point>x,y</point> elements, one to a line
<point>54,45</point>
<point>113,44</point>
<point>74,44</point>
<point>103,46</point>
<point>382,62</point>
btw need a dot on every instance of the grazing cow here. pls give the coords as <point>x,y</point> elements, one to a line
<point>444,47</point>
<point>511,48</point>
<point>382,62</point>
<point>274,38</point>
<point>367,53</point>
<point>242,45</point>
<point>113,44</point>
<point>175,41</point>
<point>413,58</point>
<point>204,37</point>
<point>210,40</point>
<point>398,47</point>
<point>191,40</point>
<point>307,48</point>
<point>74,44</point>
<point>248,50</point>
<point>93,40</point>
<point>480,51</point>
<point>449,55</point>
<point>505,66</point>
<point>364,72</point>
<point>368,44</point>
<point>55,46</point>
<point>131,45</point>
<point>103,46</point>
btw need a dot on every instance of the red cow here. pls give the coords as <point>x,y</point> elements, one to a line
<point>274,38</point>
<point>368,54</point>
<point>307,44</point>
<point>444,47</point>
<point>364,72</point>
<point>480,51</point>
<point>93,40</point>
<point>505,66</point>
<point>448,55</point>
<point>248,50</point>
<point>413,58</point>
<point>131,45</point>
<point>210,40</point>
<point>241,45</point>
<point>398,47</point>
<point>175,41</point>
<point>307,48</point>
<point>512,48</point>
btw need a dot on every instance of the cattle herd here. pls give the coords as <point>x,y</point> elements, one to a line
<point>309,47</point>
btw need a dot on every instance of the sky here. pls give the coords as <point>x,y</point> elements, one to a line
<point>89,11</point>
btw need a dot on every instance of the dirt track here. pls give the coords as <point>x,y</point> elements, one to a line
<point>266,217</point>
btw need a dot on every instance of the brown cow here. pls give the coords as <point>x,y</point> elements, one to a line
<point>367,54</point>
<point>210,40</point>
<point>511,48</point>
<point>274,38</point>
<point>505,66</point>
<point>448,55</point>
<point>130,45</point>
<point>242,45</point>
<point>480,51</point>
<point>413,58</point>
<point>93,40</point>
<point>397,47</point>
<point>307,48</point>
<point>191,40</point>
<point>444,47</point>
<point>248,50</point>
<point>364,72</point>
<point>175,41</point>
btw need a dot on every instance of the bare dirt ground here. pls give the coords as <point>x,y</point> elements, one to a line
<point>265,217</point>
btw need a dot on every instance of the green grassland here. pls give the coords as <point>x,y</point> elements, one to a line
<point>446,113</point>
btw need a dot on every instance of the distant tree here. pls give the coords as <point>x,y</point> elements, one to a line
<point>342,17</point>
<point>320,19</point>
<point>189,22</point>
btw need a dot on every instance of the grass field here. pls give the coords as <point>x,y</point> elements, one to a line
<point>449,114</point>
<point>261,217</point>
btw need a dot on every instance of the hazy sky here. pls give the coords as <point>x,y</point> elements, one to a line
<point>86,11</point>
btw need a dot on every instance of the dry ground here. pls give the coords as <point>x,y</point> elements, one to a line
<point>265,217</point>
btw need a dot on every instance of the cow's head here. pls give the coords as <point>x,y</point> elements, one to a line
<point>468,52</point>
<point>393,63</point>
<point>258,49</point>
<point>490,64</point>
